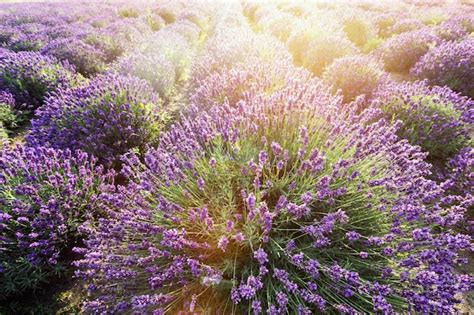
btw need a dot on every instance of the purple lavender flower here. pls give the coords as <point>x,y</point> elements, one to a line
<point>399,53</point>
<point>86,59</point>
<point>106,118</point>
<point>31,76</point>
<point>44,196</point>
<point>449,64</point>
<point>437,119</point>
<point>167,234</point>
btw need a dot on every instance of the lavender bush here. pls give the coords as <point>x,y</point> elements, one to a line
<point>275,207</point>
<point>459,174</point>
<point>437,119</point>
<point>106,118</point>
<point>8,118</point>
<point>154,68</point>
<point>30,76</point>
<point>228,48</point>
<point>322,50</point>
<point>316,47</point>
<point>44,195</point>
<point>87,59</point>
<point>358,29</point>
<point>449,64</point>
<point>401,52</point>
<point>256,79</point>
<point>404,26</point>
<point>355,75</point>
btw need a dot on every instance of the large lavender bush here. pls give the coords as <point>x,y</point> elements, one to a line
<point>437,119</point>
<point>106,118</point>
<point>31,76</point>
<point>449,64</point>
<point>275,206</point>
<point>44,195</point>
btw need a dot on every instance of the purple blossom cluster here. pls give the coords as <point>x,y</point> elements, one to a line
<point>31,76</point>
<point>449,64</point>
<point>254,79</point>
<point>106,118</point>
<point>44,196</point>
<point>86,59</point>
<point>435,118</point>
<point>459,177</point>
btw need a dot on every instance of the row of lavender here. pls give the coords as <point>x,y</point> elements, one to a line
<point>231,180</point>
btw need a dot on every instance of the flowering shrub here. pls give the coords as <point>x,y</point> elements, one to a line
<point>128,13</point>
<point>358,29</point>
<point>106,118</point>
<point>404,25</point>
<point>401,52</point>
<point>323,49</point>
<point>7,35</point>
<point>173,47</point>
<point>187,29</point>
<point>154,21</point>
<point>308,35</point>
<point>235,46</point>
<point>384,22</point>
<point>107,44</point>
<point>85,58</point>
<point>254,80</point>
<point>279,207</point>
<point>44,196</point>
<point>459,177</point>
<point>29,42</point>
<point>279,25</point>
<point>154,68</point>
<point>464,20</point>
<point>8,117</point>
<point>30,76</point>
<point>436,119</point>
<point>449,64</point>
<point>354,76</point>
<point>449,31</point>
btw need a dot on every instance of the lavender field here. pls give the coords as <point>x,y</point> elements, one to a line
<point>237,157</point>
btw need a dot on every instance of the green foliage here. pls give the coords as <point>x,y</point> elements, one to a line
<point>128,13</point>
<point>371,44</point>
<point>8,118</point>
<point>155,22</point>
<point>358,31</point>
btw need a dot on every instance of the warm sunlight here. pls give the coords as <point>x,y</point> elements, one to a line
<point>236,157</point>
